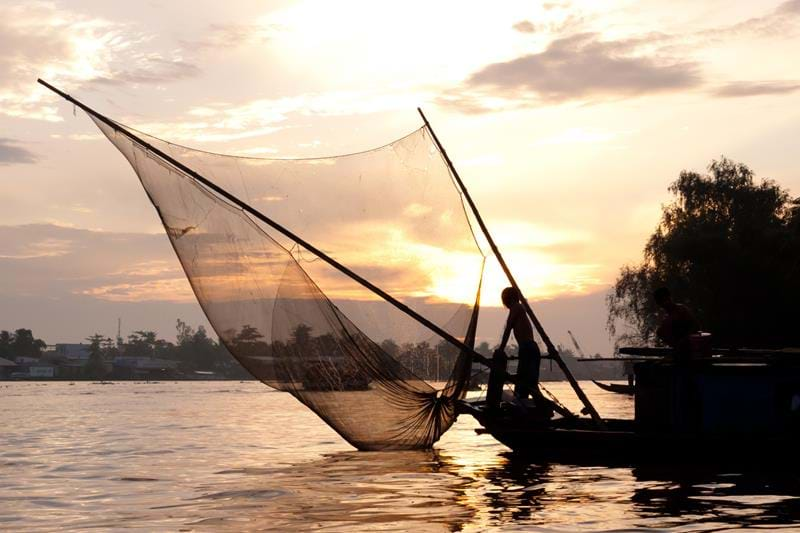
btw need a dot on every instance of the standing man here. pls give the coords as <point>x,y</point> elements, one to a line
<point>529,355</point>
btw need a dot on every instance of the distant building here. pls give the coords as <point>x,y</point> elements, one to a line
<point>143,368</point>
<point>73,352</point>
<point>6,368</point>
<point>41,372</point>
<point>71,359</point>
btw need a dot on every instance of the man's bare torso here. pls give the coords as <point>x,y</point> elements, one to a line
<point>518,320</point>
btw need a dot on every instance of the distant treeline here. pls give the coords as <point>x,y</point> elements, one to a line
<point>196,353</point>
<point>20,343</point>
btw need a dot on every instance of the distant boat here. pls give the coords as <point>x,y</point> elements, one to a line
<point>617,388</point>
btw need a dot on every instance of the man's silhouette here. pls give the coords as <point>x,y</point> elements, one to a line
<point>678,324</point>
<point>529,355</point>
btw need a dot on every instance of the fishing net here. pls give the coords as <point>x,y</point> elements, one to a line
<point>393,215</point>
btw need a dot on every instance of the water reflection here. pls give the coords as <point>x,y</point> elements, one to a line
<point>195,456</point>
<point>438,491</point>
<point>713,495</point>
<point>349,490</point>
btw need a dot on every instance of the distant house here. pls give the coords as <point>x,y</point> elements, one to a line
<point>69,369</point>
<point>71,359</point>
<point>73,352</point>
<point>23,368</point>
<point>6,368</point>
<point>143,368</point>
<point>28,368</point>
<point>41,372</point>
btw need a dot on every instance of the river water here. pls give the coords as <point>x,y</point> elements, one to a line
<point>210,456</point>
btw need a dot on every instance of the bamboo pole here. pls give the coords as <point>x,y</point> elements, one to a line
<point>551,349</point>
<point>260,216</point>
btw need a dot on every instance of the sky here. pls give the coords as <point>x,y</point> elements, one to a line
<point>567,121</point>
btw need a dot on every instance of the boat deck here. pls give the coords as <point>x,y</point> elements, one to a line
<point>579,440</point>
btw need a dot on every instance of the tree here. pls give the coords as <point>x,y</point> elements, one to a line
<point>390,347</point>
<point>301,335</point>
<point>141,344</point>
<point>95,365</point>
<point>248,342</point>
<point>484,349</point>
<point>207,352</point>
<point>184,332</point>
<point>6,339</point>
<point>727,247</point>
<point>24,344</point>
<point>197,351</point>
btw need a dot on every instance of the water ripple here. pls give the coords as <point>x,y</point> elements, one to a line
<point>236,456</point>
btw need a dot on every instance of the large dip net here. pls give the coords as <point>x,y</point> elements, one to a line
<point>393,215</point>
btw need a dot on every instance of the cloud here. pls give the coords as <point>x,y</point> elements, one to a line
<point>153,290</point>
<point>49,261</point>
<point>150,70</point>
<point>524,26</point>
<point>580,67</point>
<point>71,50</point>
<point>222,122</point>
<point>780,22</point>
<point>79,136</point>
<point>45,247</point>
<point>756,88</point>
<point>11,154</point>
<point>225,36</point>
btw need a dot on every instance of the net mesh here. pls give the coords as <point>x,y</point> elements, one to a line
<point>393,215</point>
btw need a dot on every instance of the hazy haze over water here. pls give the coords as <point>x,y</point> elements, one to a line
<point>228,455</point>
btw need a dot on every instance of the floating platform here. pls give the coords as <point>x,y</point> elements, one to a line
<point>720,409</point>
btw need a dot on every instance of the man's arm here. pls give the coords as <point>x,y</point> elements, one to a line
<point>506,335</point>
<point>512,317</point>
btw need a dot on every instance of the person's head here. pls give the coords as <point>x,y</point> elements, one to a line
<point>510,296</point>
<point>662,296</point>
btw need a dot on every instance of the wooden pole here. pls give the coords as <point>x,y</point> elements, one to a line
<point>551,349</point>
<point>260,216</point>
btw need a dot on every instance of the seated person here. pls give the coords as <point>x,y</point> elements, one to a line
<point>678,324</point>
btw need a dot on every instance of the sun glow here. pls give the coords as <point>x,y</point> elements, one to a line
<point>405,38</point>
<point>451,272</point>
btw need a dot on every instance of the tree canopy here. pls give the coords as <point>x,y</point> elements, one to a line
<point>728,247</point>
<point>20,343</point>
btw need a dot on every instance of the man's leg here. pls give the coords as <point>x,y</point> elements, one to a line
<point>497,378</point>
<point>535,359</point>
<point>523,386</point>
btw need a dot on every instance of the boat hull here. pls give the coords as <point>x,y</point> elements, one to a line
<point>595,447</point>
<point>723,409</point>
<point>616,388</point>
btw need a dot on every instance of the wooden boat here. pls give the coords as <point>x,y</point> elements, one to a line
<point>617,388</point>
<point>712,408</point>
<point>722,408</point>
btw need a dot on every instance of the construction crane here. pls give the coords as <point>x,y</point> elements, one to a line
<point>577,346</point>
